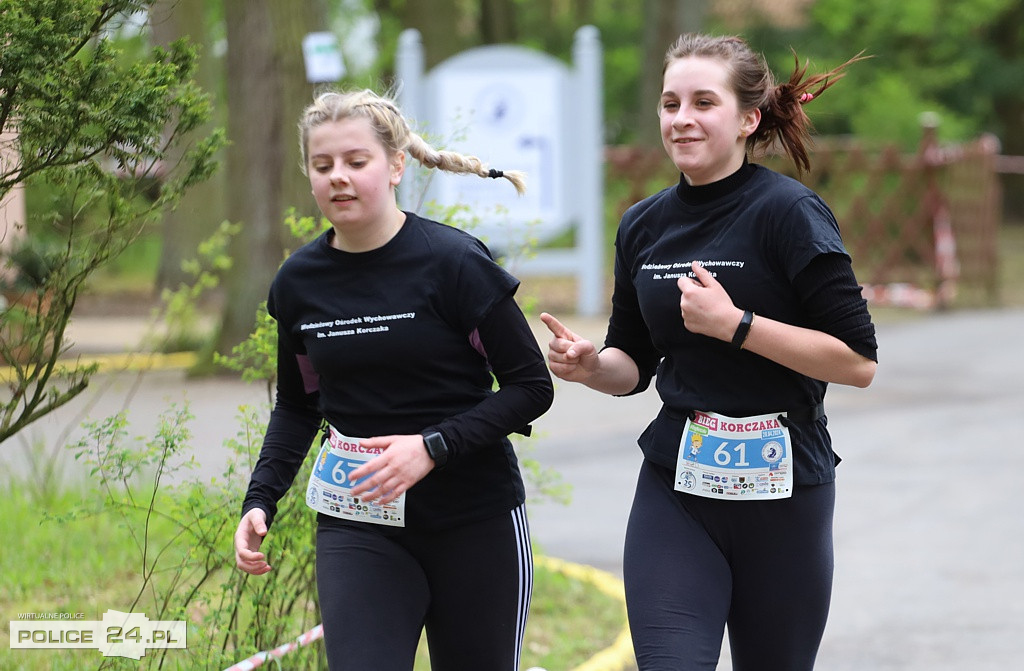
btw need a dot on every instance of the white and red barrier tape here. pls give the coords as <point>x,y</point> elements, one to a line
<point>260,658</point>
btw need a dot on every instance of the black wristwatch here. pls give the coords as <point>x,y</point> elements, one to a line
<point>436,448</point>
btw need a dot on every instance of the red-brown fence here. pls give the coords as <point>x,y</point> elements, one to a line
<point>920,227</point>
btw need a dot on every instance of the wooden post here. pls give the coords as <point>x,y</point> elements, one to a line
<point>947,267</point>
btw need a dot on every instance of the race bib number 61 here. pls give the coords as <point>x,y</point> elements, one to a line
<point>736,458</point>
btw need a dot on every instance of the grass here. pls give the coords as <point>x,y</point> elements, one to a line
<point>54,564</point>
<point>575,621</point>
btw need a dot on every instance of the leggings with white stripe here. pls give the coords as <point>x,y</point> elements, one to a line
<point>470,586</point>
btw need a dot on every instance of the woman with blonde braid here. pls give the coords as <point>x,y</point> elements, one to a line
<point>734,289</point>
<point>392,329</point>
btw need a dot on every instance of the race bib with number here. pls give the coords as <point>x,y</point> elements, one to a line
<point>735,458</point>
<point>330,484</point>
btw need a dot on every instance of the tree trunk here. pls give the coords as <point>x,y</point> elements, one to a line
<point>440,22</point>
<point>266,91</point>
<point>498,21</point>
<point>1007,37</point>
<point>583,10</point>
<point>201,208</point>
<point>1011,114</point>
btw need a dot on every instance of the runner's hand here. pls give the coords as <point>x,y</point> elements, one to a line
<point>705,305</point>
<point>248,538</point>
<point>570,357</point>
<point>402,463</point>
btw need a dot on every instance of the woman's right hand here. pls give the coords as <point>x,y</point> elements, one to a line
<point>570,357</point>
<point>248,538</point>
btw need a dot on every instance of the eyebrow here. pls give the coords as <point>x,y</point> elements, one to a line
<point>349,152</point>
<point>700,92</point>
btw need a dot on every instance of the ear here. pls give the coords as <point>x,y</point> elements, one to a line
<point>397,168</point>
<point>749,122</point>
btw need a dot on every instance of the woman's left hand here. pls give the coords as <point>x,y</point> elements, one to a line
<point>402,463</point>
<point>706,307</point>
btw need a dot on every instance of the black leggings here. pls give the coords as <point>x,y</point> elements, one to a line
<point>469,586</point>
<point>693,565</point>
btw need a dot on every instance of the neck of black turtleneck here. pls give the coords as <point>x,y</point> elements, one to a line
<point>705,193</point>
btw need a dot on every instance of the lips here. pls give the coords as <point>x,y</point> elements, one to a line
<point>342,198</point>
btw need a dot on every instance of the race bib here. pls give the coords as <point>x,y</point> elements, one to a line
<point>330,484</point>
<point>735,458</point>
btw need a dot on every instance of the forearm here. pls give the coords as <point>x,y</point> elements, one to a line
<point>812,353</point>
<point>616,374</point>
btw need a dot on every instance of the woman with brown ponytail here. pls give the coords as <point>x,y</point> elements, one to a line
<point>392,330</point>
<point>734,289</point>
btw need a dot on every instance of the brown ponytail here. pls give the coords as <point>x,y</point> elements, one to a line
<point>783,119</point>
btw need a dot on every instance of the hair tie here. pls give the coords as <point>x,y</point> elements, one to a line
<point>495,174</point>
<point>806,97</point>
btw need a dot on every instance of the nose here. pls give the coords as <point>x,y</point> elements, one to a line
<point>682,118</point>
<point>338,175</point>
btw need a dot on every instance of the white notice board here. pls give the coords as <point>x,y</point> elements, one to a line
<point>511,118</point>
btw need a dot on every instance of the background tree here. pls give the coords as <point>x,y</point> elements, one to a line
<point>447,28</point>
<point>1002,76</point>
<point>98,130</point>
<point>963,59</point>
<point>201,208</point>
<point>266,92</point>
<point>498,21</point>
<point>928,55</point>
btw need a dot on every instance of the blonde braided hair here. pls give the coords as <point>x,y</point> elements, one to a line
<point>394,134</point>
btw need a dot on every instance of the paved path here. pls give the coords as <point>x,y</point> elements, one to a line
<point>929,529</point>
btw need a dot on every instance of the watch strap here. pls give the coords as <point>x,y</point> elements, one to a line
<point>742,330</point>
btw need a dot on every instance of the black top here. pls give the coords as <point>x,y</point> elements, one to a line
<point>776,248</point>
<point>404,339</point>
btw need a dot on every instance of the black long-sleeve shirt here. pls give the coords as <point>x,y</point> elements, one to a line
<point>407,338</point>
<point>776,248</point>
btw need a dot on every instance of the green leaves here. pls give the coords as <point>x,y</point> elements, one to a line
<point>929,55</point>
<point>71,95</point>
<point>93,124</point>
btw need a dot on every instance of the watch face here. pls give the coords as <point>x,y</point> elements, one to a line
<point>436,448</point>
